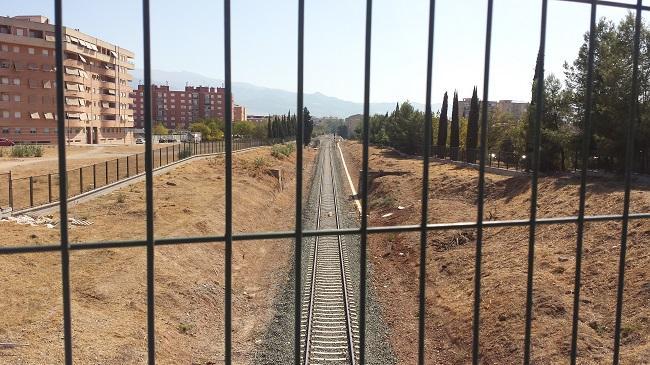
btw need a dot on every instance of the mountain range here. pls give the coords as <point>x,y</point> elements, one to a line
<point>264,100</point>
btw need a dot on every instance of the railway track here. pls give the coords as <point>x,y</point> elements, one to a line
<point>329,327</point>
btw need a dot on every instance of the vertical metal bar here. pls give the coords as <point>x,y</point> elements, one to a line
<point>299,177</point>
<point>106,171</point>
<point>11,192</point>
<point>31,191</point>
<point>159,157</point>
<point>533,195</point>
<point>137,163</point>
<point>167,154</point>
<point>49,188</point>
<point>481,189</point>
<point>148,163</point>
<point>63,183</point>
<point>117,169</point>
<point>94,176</point>
<point>228,163</point>
<point>428,136</point>
<point>127,166</point>
<point>364,187</point>
<point>586,139</point>
<point>81,180</point>
<point>629,155</point>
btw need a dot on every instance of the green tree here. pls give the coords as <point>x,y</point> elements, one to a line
<point>454,140</point>
<point>308,126</point>
<point>471,143</point>
<point>159,128</point>
<point>442,128</point>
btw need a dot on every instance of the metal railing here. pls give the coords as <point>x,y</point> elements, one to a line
<point>228,238</point>
<point>31,191</point>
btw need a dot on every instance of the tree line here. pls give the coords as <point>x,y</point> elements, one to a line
<point>563,114</point>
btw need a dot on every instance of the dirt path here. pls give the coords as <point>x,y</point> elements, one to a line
<point>109,286</point>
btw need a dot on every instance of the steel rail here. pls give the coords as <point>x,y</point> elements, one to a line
<point>342,268</point>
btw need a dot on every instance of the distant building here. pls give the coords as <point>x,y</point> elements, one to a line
<point>98,107</point>
<point>238,113</point>
<point>352,122</point>
<point>177,109</point>
<point>514,108</point>
<point>257,118</point>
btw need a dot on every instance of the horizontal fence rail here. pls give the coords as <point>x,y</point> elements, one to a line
<point>34,190</point>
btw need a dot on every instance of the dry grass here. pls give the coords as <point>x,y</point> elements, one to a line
<point>450,266</point>
<point>109,286</point>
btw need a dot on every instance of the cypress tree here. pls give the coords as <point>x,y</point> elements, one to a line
<point>454,141</point>
<point>472,128</point>
<point>309,126</point>
<point>442,128</point>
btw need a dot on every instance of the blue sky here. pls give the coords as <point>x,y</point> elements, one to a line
<point>188,36</point>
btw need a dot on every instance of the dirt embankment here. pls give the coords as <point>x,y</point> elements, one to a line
<point>109,286</point>
<point>451,255</point>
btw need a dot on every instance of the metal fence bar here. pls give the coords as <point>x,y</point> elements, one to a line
<point>481,189</point>
<point>63,183</point>
<point>533,183</point>
<point>428,136</point>
<point>629,154</point>
<point>586,138</point>
<point>228,165</point>
<point>364,187</point>
<point>299,176</point>
<point>243,237</point>
<point>148,162</point>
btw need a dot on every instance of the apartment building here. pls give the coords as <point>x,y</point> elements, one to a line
<point>514,108</point>
<point>239,113</point>
<point>177,109</point>
<point>98,107</point>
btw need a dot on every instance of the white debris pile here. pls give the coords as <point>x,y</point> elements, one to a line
<point>46,221</point>
<point>31,221</point>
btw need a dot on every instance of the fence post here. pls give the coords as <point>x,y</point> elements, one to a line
<point>11,192</point>
<point>94,176</point>
<point>81,180</point>
<point>49,188</point>
<point>159,157</point>
<point>127,166</point>
<point>167,154</point>
<point>137,169</point>
<point>117,169</point>
<point>31,191</point>
<point>106,175</point>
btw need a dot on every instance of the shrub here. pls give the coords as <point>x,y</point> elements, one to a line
<point>121,198</point>
<point>259,162</point>
<point>184,153</point>
<point>26,151</point>
<point>280,151</point>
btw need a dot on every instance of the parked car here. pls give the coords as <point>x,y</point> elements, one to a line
<point>6,142</point>
<point>139,141</point>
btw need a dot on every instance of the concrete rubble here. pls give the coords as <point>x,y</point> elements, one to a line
<point>46,221</point>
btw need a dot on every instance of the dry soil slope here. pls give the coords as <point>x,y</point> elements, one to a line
<point>450,266</point>
<point>109,286</point>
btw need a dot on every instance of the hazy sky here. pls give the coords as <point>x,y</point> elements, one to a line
<point>188,36</point>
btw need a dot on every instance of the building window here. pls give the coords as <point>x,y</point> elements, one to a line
<point>4,97</point>
<point>32,130</point>
<point>20,32</point>
<point>5,130</point>
<point>4,48</point>
<point>46,130</point>
<point>5,64</point>
<point>4,80</point>
<point>16,130</point>
<point>17,98</point>
<point>16,81</point>
<point>30,50</point>
<point>46,52</point>
<point>17,115</point>
<point>35,115</point>
<point>5,114</point>
<point>16,49</point>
